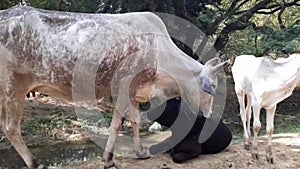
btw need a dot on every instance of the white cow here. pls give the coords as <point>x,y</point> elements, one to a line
<point>79,57</point>
<point>264,82</point>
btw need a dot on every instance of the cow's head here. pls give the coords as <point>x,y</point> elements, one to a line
<point>209,82</point>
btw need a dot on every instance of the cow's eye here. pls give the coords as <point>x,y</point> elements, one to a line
<point>213,85</point>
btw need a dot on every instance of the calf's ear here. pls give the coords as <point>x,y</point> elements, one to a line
<point>220,66</point>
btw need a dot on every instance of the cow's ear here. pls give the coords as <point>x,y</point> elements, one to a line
<point>220,66</point>
<point>213,61</point>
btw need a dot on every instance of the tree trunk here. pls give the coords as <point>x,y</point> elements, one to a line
<point>241,23</point>
<point>179,6</point>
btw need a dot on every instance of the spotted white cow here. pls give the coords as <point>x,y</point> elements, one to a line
<point>79,57</point>
<point>265,83</point>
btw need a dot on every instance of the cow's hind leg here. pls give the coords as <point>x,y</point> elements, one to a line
<point>270,129</point>
<point>241,99</point>
<point>11,114</point>
<point>256,130</point>
<point>249,114</point>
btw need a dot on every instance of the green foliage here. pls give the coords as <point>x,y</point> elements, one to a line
<point>4,4</point>
<point>280,42</point>
<point>48,125</point>
<point>265,41</point>
<point>268,37</point>
<point>90,6</point>
<point>291,126</point>
<point>241,42</point>
<point>45,4</point>
<point>66,5</point>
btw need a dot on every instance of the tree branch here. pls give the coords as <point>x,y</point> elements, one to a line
<point>268,12</point>
<point>239,24</point>
<point>279,17</point>
<point>152,5</point>
<point>103,8</point>
<point>274,8</point>
<point>215,24</point>
<point>179,6</point>
<point>241,4</point>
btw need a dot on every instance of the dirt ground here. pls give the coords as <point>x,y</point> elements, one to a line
<point>286,146</point>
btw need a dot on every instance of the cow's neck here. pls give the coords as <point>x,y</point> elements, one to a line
<point>297,77</point>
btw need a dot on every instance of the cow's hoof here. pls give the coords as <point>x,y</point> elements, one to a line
<point>111,165</point>
<point>143,154</point>
<point>36,165</point>
<point>254,156</point>
<point>42,167</point>
<point>270,160</point>
<point>247,146</point>
<point>269,155</point>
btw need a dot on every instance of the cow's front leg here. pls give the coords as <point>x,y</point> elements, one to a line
<point>270,129</point>
<point>11,112</point>
<point>113,131</point>
<point>135,120</point>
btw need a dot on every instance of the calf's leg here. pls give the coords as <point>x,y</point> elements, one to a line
<point>249,114</point>
<point>256,128</point>
<point>241,100</point>
<point>270,129</point>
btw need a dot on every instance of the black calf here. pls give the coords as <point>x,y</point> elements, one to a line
<point>181,120</point>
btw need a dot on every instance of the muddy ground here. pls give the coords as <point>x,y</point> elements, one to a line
<point>286,140</point>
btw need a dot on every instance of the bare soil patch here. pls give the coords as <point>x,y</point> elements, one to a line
<point>286,149</point>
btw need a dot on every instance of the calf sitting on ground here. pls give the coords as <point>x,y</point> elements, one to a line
<point>178,117</point>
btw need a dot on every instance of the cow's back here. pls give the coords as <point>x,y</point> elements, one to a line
<point>243,71</point>
<point>48,46</point>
